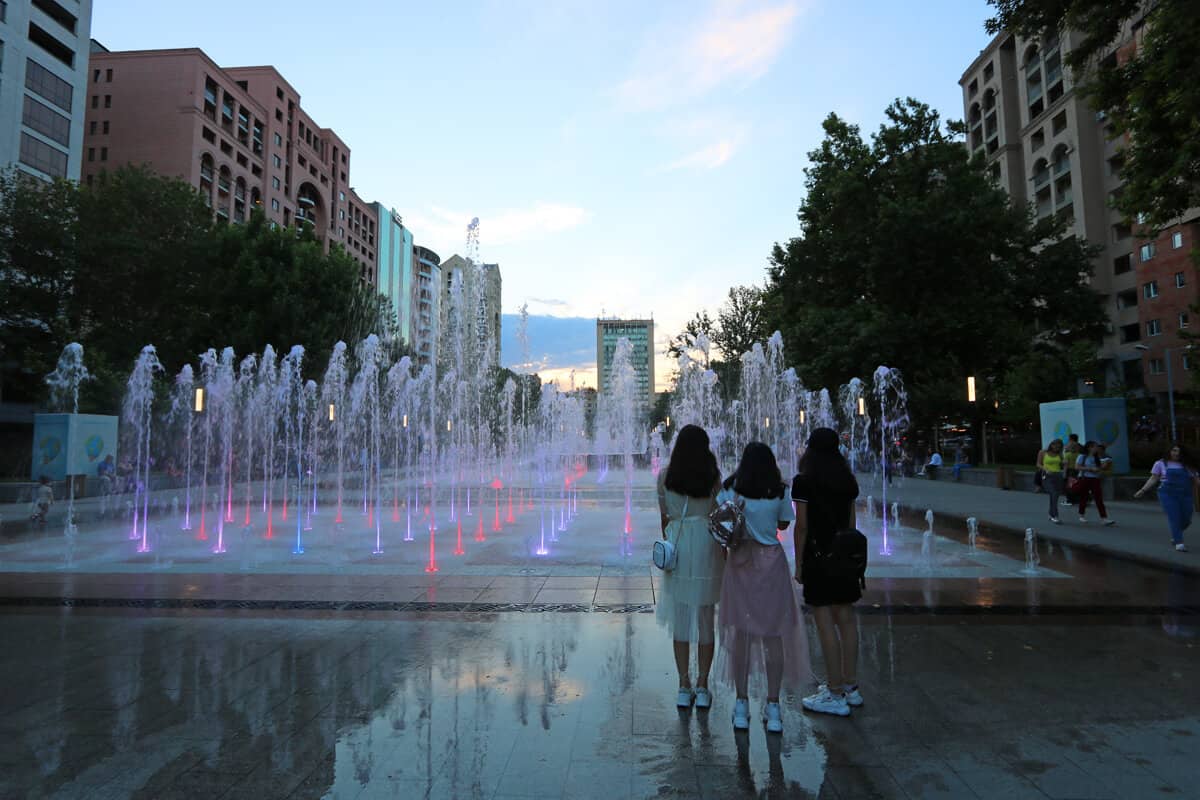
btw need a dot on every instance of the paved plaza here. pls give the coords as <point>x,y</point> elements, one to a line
<point>507,675</point>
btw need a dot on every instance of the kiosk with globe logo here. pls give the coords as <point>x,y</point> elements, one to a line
<point>1103,420</point>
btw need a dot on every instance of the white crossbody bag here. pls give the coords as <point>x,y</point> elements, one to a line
<point>664,555</point>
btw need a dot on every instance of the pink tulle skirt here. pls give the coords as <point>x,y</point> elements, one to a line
<point>760,622</point>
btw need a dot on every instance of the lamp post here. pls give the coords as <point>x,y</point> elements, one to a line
<point>1170,381</point>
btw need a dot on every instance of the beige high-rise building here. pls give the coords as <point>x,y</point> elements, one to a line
<point>1048,147</point>
<point>459,274</point>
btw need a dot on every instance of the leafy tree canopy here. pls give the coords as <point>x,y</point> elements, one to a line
<point>909,255</point>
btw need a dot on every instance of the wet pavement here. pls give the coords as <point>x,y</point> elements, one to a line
<point>507,675</point>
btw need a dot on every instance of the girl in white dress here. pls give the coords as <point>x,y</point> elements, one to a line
<point>689,592</point>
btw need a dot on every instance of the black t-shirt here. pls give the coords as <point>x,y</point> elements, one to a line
<point>828,510</point>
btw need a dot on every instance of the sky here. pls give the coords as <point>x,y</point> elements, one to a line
<point>624,157</point>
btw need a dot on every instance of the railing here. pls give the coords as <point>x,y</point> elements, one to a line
<point>1065,197</point>
<point>1061,167</point>
<point>1041,178</point>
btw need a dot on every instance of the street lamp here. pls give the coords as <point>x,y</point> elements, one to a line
<point>1170,381</point>
<point>971,389</point>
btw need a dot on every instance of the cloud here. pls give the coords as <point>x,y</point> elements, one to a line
<point>548,301</point>
<point>735,42</point>
<point>446,228</point>
<point>709,157</point>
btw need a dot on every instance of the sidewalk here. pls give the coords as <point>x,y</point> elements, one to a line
<point>1140,533</point>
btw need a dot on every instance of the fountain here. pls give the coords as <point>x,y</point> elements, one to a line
<point>1031,553</point>
<point>892,402</point>
<point>64,384</point>
<point>139,398</point>
<point>972,531</point>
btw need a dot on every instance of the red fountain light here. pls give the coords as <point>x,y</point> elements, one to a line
<point>458,548</point>
<point>479,537</point>
<point>510,518</point>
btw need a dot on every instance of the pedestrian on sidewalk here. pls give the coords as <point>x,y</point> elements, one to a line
<point>1091,468</point>
<point>759,620</point>
<point>827,489</point>
<point>1073,450</point>
<point>1176,477</point>
<point>1051,463</point>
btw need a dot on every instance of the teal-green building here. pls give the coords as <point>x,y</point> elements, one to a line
<point>396,268</point>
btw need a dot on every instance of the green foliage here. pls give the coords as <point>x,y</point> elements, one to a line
<point>135,259</point>
<point>1153,98</point>
<point>909,255</point>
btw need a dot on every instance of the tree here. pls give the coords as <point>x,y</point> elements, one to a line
<point>684,341</point>
<point>740,322</point>
<point>1153,98</point>
<point>37,274</point>
<point>909,255</point>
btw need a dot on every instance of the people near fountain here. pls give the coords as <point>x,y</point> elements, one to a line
<point>1051,465</point>
<point>962,460</point>
<point>1176,477</point>
<point>42,500</point>
<point>827,489</point>
<point>759,620</point>
<point>690,591</point>
<point>1073,450</point>
<point>933,465</point>
<point>1091,466</point>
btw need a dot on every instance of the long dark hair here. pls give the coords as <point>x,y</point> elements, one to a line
<point>693,468</point>
<point>825,466</point>
<point>757,475</point>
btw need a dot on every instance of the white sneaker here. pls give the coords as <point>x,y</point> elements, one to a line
<point>773,718</point>
<point>854,697</point>
<point>1083,519</point>
<point>1108,522</point>
<point>685,698</point>
<point>1181,547</point>
<point>1056,520</point>
<point>703,699</point>
<point>741,715</point>
<point>825,702</point>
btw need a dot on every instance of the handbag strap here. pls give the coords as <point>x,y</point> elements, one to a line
<point>679,527</point>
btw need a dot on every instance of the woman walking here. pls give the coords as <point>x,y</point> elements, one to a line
<point>1176,478</point>
<point>827,488</point>
<point>690,591</point>
<point>1052,462</point>
<point>762,632</point>
<point>1091,468</point>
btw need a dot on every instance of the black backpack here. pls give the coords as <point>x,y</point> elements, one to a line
<point>847,556</point>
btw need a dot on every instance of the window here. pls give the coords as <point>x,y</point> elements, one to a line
<point>342,214</point>
<point>1150,290</point>
<point>341,197</point>
<point>1154,327</point>
<point>279,92</point>
<point>1157,366</point>
<point>989,71</point>
<point>91,126</point>
<point>91,154</point>
<point>42,81</point>
<point>1130,333</point>
<point>95,76</point>
<point>1059,123</point>
<point>104,154</point>
<point>105,128</point>
<point>278,140</point>
<point>42,156</point>
<point>1183,319</point>
<point>226,148</point>
<point>275,183</point>
<point>1122,264</point>
<point>274,204</point>
<point>208,134</point>
<point>1176,240</point>
<point>278,115</point>
<point>1147,251</point>
<point>57,13</point>
<point>108,101</point>
<point>1180,280</point>
<point>1187,361</point>
<point>108,76</point>
<point>277,161</point>
<point>51,45</point>
<point>1121,231</point>
<point>46,121</point>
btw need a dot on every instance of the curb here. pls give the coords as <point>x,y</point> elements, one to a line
<point>1111,552</point>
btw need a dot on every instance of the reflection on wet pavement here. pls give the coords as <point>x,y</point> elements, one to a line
<point>341,705</point>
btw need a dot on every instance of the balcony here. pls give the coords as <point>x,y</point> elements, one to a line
<point>1065,197</point>
<point>1035,91</point>
<point>1062,167</point>
<point>1041,178</point>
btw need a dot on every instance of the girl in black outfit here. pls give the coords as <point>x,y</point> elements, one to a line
<point>827,489</point>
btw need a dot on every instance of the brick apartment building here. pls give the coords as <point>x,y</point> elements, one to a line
<point>1049,148</point>
<point>239,135</point>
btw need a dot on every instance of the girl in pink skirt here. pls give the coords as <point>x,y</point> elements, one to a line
<point>761,629</point>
